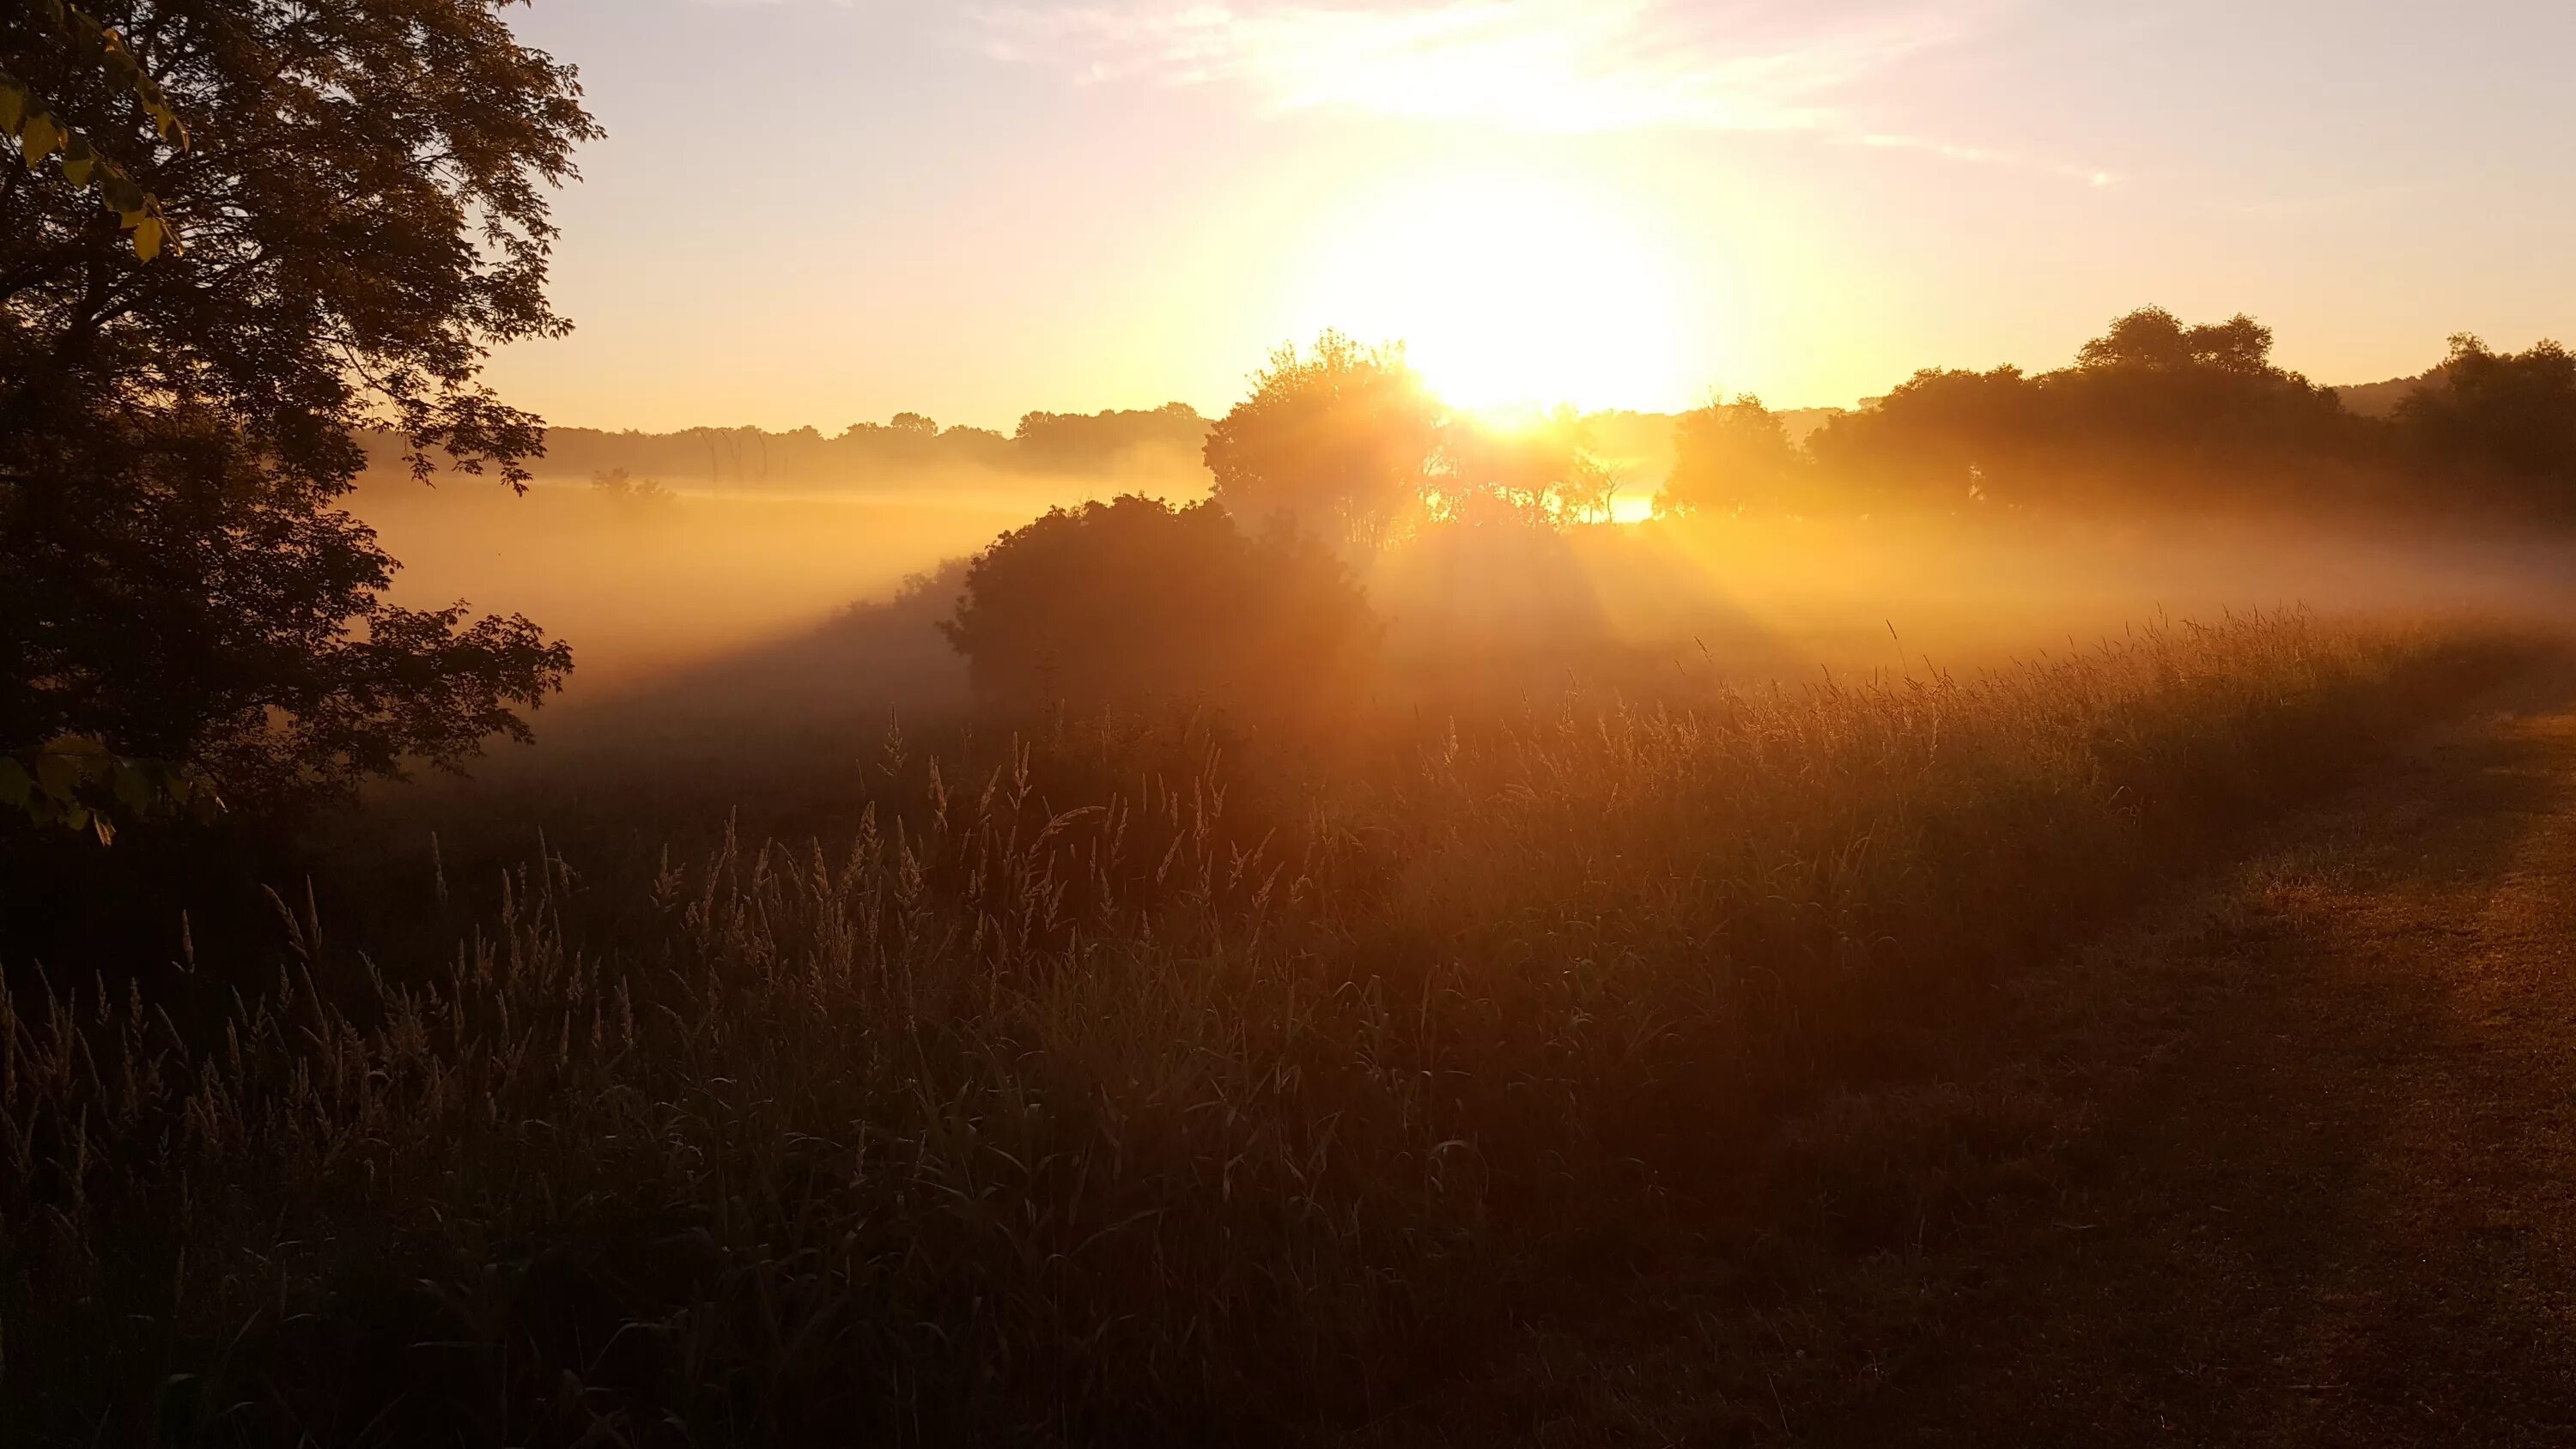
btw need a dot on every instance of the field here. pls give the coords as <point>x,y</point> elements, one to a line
<point>1124,1081</point>
<point>1398,726</point>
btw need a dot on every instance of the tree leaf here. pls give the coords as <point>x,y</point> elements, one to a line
<point>39,137</point>
<point>133,787</point>
<point>123,197</point>
<point>15,786</point>
<point>149,234</point>
<point>80,163</point>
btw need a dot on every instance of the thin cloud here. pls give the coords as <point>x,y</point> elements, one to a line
<point>1984,156</point>
<point>1550,65</point>
<point>1526,65</point>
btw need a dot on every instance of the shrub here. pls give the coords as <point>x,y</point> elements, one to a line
<point>1135,601</point>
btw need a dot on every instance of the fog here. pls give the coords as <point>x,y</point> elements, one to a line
<point>646,586</point>
<point>712,612</point>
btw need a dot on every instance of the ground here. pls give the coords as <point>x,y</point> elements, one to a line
<point>2289,1161</point>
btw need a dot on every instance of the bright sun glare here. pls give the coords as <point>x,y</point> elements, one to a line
<point>1509,291</point>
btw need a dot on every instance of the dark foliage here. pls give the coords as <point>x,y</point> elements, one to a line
<point>1120,603</point>
<point>2152,412</point>
<point>2508,419</point>
<point>908,450</point>
<point>364,214</point>
<point>2159,414</point>
<point>1338,440</point>
<point>1729,457</point>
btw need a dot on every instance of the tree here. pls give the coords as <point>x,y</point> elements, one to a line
<point>2507,417</point>
<point>2152,411</point>
<point>623,490</point>
<point>1730,457</point>
<point>363,210</point>
<point>1944,438</point>
<point>27,118</point>
<point>2157,410</point>
<point>1104,442</point>
<point>1337,441</point>
<point>1132,601</point>
<point>2154,339</point>
<point>1537,471</point>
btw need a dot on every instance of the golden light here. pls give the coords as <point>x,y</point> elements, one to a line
<point>1509,291</point>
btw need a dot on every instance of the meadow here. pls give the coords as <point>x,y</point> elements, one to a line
<point>1143,1079</point>
<point>558,891</point>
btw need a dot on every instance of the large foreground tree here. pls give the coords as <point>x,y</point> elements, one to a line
<point>359,213</point>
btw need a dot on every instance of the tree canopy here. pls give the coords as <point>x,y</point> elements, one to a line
<point>2153,411</point>
<point>2509,417</point>
<point>362,202</point>
<point>1133,600</point>
<point>1729,457</point>
<point>1534,470</point>
<point>1338,440</point>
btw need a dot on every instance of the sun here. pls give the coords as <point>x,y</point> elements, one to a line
<point>1509,292</point>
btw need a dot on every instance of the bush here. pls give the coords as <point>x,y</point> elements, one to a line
<point>1134,601</point>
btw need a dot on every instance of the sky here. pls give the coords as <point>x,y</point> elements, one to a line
<point>823,212</point>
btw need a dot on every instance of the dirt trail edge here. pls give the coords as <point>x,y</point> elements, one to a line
<point>2292,1162</point>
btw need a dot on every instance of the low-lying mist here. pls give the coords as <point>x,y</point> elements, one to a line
<point>700,616</point>
<point>658,578</point>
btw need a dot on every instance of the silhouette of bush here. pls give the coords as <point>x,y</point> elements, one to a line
<point>1134,601</point>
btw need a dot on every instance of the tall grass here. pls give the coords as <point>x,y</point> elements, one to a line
<point>1167,1112</point>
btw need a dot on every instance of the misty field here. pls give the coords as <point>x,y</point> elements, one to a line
<point>1118,1082</point>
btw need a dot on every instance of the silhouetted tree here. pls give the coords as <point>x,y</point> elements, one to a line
<point>1731,457</point>
<point>87,52</point>
<point>2152,411</point>
<point>1073,442</point>
<point>1944,438</point>
<point>2200,414</point>
<point>623,490</point>
<point>363,215</point>
<point>1536,471</point>
<point>2154,339</point>
<point>1338,440</point>
<point>2507,418</point>
<point>1134,600</point>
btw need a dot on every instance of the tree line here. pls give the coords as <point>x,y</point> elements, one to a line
<point>1340,452</point>
<point>907,449</point>
<point>2153,414</point>
<point>2156,414</point>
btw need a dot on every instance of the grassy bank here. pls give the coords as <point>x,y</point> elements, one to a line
<point>1200,1100</point>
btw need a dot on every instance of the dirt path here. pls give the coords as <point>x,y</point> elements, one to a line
<point>2340,1206</point>
<point>2292,1163</point>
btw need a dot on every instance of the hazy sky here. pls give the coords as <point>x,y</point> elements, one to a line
<point>827,211</point>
